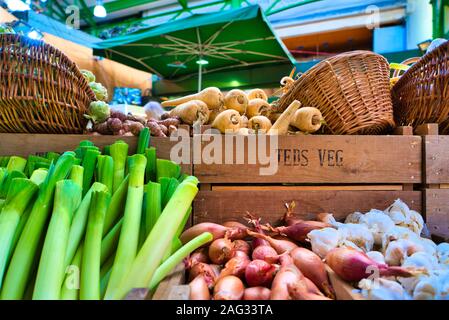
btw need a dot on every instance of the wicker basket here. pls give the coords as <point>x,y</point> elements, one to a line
<point>41,90</point>
<point>422,94</point>
<point>352,91</point>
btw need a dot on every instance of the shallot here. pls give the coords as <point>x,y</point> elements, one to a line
<point>288,274</point>
<point>221,250</point>
<point>280,246</point>
<point>256,293</point>
<point>352,265</point>
<point>205,270</point>
<point>258,228</point>
<point>299,230</point>
<point>243,246</point>
<point>259,273</point>
<point>218,231</point>
<point>266,253</point>
<point>229,288</point>
<point>199,289</point>
<point>236,266</point>
<point>301,291</point>
<point>313,268</point>
<point>199,255</point>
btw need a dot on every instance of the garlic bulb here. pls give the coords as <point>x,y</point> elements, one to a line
<point>376,256</point>
<point>401,214</point>
<point>354,217</point>
<point>397,233</point>
<point>398,250</point>
<point>429,246</point>
<point>357,234</point>
<point>443,254</point>
<point>382,289</point>
<point>421,259</point>
<point>324,240</point>
<point>329,219</point>
<point>427,289</point>
<point>378,224</point>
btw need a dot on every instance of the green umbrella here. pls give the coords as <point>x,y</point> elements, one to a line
<point>202,43</point>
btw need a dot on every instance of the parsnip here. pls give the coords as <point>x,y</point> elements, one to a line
<point>228,120</point>
<point>257,107</point>
<point>211,96</point>
<point>259,123</point>
<point>307,119</point>
<point>245,120</point>
<point>280,127</point>
<point>213,114</point>
<point>195,111</point>
<point>257,94</point>
<point>237,100</point>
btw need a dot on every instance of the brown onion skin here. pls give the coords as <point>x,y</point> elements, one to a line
<point>352,265</point>
<point>259,273</point>
<point>243,246</point>
<point>266,253</point>
<point>218,231</point>
<point>229,288</point>
<point>205,270</point>
<point>221,250</point>
<point>236,267</point>
<point>257,293</point>
<point>281,246</point>
<point>313,268</point>
<point>199,289</point>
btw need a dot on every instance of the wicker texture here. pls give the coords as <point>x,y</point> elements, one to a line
<point>422,94</point>
<point>41,90</point>
<point>351,90</point>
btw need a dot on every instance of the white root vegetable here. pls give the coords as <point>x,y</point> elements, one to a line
<point>280,127</point>
<point>244,121</point>
<point>213,114</point>
<point>257,107</point>
<point>211,96</point>
<point>307,119</point>
<point>236,100</point>
<point>192,112</point>
<point>257,94</point>
<point>228,120</point>
<point>259,123</point>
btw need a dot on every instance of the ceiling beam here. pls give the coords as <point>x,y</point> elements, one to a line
<point>123,5</point>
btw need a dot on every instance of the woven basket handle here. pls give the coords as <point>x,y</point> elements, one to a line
<point>403,66</point>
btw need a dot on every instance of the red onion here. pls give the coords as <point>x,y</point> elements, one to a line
<point>221,250</point>
<point>229,288</point>
<point>218,231</point>
<point>313,268</point>
<point>257,293</point>
<point>199,289</point>
<point>266,253</point>
<point>205,270</point>
<point>352,265</point>
<point>259,273</point>
<point>280,246</point>
<point>243,246</point>
<point>236,266</point>
<point>299,230</point>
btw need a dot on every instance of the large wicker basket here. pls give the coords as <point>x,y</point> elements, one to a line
<point>352,91</point>
<point>41,90</point>
<point>422,94</point>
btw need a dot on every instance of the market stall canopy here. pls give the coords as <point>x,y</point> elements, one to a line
<point>234,39</point>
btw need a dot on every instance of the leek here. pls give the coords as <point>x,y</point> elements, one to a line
<point>52,156</point>
<point>77,175</point>
<point>168,169</point>
<point>170,190</point>
<point>90,277</point>
<point>71,285</point>
<point>38,176</point>
<point>79,222</point>
<point>16,164</point>
<point>116,207</point>
<point>105,171</point>
<point>165,268</point>
<point>129,235</point>
<point>50,274</point>
<point>119,153</point>
<point>159,240</point>
<point>8,180</point>
<point>109,242</point>
<point>152,205</point>
<point>19,196</point>
<point>105,275</point>
<point>151,170</point>
<point>89,162</point>
<point>144,140</point>
<point>20,267</point>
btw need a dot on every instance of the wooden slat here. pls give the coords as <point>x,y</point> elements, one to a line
<point>27,144</point>
<point>388,187</point>
<point>316,159</point>
<point>343,290</point>
<point>172,287</point>
<point>427,129</point>
<point>436,159</point>
<point>437,212</point>
<point>220,206</point>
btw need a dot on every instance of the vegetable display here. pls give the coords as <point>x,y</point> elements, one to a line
<point>92,226</point>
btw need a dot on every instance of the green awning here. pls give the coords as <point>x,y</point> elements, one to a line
<point>240,38</point>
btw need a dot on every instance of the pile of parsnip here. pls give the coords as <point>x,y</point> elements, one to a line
<point>244,263</point>
<point>241,113</point>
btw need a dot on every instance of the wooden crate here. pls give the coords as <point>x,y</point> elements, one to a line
<point>436,179</point>
<point>27,144</point>
<point>321,173</point>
